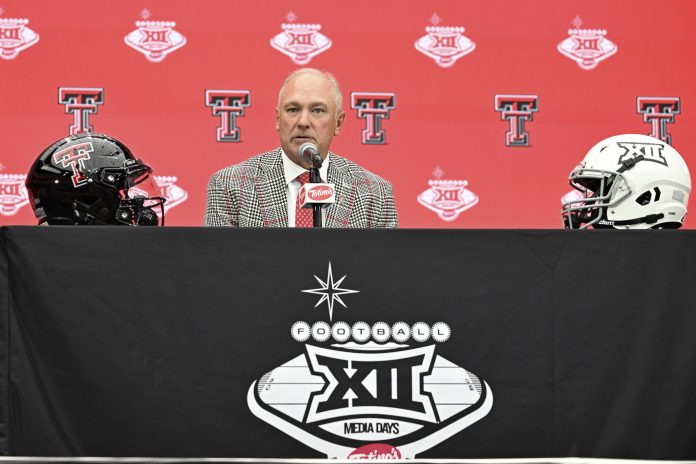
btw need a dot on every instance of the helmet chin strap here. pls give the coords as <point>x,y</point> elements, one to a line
<point>86,214</point>
<point>97,214</point>
<point>629,163</point>
<point>649,219</point>
<point>56,221</point>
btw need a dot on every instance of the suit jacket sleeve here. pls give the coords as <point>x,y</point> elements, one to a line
<point>389,218</point>
<point>221,204</point>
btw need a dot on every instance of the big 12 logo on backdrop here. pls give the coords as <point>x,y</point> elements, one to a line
<point>587,47</point>
<point>300,42</point>
<point>154,39</point>
<point>447,198</point>
<point>13,194</point>
<point>15,36</point>
<point>444,44</point>
<point>368,391</point>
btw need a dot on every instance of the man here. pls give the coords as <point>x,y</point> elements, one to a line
<point>262,191</point>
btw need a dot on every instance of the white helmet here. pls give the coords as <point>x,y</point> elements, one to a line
<point>629,181</point>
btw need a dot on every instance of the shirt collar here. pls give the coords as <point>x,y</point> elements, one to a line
<point>293,170</point>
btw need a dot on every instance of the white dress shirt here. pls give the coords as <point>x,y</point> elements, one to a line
<point>292,172</point>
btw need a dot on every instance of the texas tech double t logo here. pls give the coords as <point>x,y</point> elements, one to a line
<point>659,111</point>
<point>373,107</point>
<point>81,102</point>
<point>516,109</point>
<point>228,104</point>
<point>74,157</point>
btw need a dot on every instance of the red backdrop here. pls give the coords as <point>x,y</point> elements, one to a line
<point>428,73</point>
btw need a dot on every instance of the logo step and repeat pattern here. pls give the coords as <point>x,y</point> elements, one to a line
<point>456,45</point>
<point>447,198</point>
<point>15,36</point>
<point>368,390</point>
<point>301,42</point>
<point>444,44</point>
<point>155,39</point>
<point>587,47</point>
<point>80,102</point>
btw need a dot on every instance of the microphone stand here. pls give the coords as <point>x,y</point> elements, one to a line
<point>315,179</point>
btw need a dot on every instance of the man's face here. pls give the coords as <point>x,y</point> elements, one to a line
<point>307,113</point>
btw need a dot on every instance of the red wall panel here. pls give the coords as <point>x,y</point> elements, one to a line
<point>443,128</point>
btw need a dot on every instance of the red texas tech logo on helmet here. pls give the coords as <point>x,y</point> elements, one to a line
<point>74,157</point>
<point>81,102</point>
<point>228,104</point>
<point>659,111</point>
<point>516,109</point>
<point>373,107</point>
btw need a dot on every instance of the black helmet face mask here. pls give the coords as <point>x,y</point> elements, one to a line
<point>139,203</point>
<point>93,179</point>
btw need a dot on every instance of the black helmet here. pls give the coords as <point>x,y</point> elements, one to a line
<point>92,178</point>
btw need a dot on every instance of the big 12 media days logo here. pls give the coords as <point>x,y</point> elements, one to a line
<point>587,47</point>
<point>300,42</point>
<point>444,44</point>
<point>15,36</point>
<point>365,390</point>
<point>154,39</point>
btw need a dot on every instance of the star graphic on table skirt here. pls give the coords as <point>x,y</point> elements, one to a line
<point>330,291</point>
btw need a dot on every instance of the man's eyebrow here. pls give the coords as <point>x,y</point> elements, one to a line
<point>311,104</point>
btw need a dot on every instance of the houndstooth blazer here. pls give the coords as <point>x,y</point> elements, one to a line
<point>254,194</point>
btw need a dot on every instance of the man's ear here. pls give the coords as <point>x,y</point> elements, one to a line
<point>339,122</point>
<point>277,119</point>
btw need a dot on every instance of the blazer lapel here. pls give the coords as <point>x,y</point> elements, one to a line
<point>272,191</point>
<point>338,214</point>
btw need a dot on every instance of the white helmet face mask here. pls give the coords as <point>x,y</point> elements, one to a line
<point>629,181</point>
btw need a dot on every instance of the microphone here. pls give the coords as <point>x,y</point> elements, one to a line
<point>309,152</point>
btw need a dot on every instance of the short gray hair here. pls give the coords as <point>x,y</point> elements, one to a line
<point>327,75</point>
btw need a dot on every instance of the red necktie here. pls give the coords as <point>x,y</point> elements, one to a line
<point>303,216</point>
